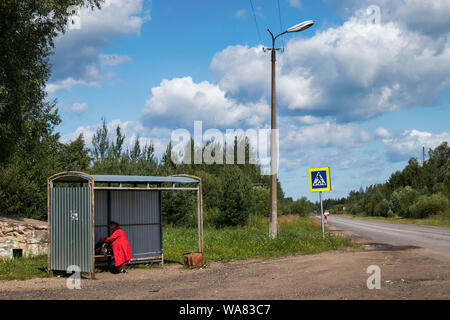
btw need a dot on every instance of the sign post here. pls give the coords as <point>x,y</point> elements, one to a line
<point>320,180</point>
<point>321,210</point>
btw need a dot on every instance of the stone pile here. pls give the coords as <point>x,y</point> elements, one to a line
<point>22,237</point>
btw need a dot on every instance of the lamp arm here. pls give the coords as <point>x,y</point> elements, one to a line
<point>275,37</point>
<point>281,34</point>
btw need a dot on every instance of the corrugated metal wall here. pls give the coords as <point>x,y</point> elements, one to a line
<point>138,214</point>
<point>70,228</point>
<point>101,215</point>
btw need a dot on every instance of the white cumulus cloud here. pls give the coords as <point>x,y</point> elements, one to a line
<point>113,59</point>
<point>410,143</point>
<point>181,101</point>
<point>325,134</point>
<point>78,58</point>
<point>352,72</point>
<point>79,107</point>
<point>382,133</point>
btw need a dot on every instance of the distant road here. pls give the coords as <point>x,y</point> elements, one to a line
<point>436,238</point>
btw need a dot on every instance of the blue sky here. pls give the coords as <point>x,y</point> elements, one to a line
<point>361,92</point>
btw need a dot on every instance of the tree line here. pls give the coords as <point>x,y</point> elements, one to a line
<point>231,192</point>
<point>418,191</point>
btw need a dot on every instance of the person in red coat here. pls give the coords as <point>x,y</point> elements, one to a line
<point>120,246</point>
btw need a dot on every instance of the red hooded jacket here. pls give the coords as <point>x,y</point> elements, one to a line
<point>120,246</point>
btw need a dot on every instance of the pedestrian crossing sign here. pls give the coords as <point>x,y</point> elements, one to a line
<point>319,179</point>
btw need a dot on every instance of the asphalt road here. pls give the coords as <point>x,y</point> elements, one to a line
<point>436,238</point>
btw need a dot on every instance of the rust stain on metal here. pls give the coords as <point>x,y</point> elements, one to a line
<point>193,259</point>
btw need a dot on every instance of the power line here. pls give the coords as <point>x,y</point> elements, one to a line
<point>256,22</point>
<point>279,16</point>
<point>281,24</point>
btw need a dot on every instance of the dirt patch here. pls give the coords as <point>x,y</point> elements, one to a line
<point>406,273</point>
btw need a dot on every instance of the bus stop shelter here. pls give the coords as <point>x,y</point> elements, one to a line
<point>80,207</point>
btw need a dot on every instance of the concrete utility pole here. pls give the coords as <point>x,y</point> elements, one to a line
<point>273,226</point>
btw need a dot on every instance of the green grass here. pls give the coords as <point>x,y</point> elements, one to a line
<point>438,221</point>
<point>296,235</point>
<point>23,268</point>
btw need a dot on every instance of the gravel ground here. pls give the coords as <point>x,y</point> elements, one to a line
<point>407,272</point>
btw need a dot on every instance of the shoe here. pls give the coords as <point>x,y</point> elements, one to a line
<point>123,271</point>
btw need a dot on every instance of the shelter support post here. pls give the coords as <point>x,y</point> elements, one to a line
<point>200,217</point>
<point>49,186</point>
<point>108,221</point>
<point>161,219</point>
<point>91,185</point>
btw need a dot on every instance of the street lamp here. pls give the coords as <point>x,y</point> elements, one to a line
<point>273,137</point>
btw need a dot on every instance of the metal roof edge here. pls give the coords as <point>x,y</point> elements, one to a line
<point>143,179</point>
<point>67,174</point>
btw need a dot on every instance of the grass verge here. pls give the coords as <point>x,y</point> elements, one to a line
<point>296,235</point>
<point>436,221</point>
<point>23,268</point>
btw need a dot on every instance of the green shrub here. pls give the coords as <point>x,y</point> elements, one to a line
<point>178,206</point>
<point>237,199</point>
<point>262,201</point>
<point>368,209</point>
<point>212,189</point>
<point>283,208</point>
<point>337,209</point>
<point>256,222</point>
<point>428,205</point>
<point>390,213</point>
<point>211,217</point>
<point>402,199</point>
<point>382,208</point>
<point>355,209</point>
<point>441,188</point>
<point>301,207</point>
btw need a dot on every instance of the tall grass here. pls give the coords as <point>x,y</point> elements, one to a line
<point>23,268</point>
<point>296,235</point>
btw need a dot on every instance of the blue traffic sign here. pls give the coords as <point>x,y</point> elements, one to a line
<point>319,179</point>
